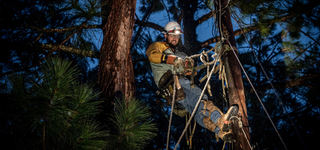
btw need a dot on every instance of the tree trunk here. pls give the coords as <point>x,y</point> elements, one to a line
<point>191,45</point>
<point>115,66</point>
<point>235,86</point>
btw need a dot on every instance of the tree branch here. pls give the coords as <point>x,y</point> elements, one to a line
<point>52,48</point>
<point>205,17</point>
<point>72,50</point>
<point>180,16</point>
<point>145,17</point>
<point>247,29</point>
<point>44,30</point>
<point>290,83</point>
<point>309,37</point>
<point>236,33</point>
<point>149,24</point>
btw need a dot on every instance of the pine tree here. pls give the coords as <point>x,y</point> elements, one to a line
<point>134,127</point>
<point>55,111</point>
<point>285,36</point>
<point>35,30</point>
<point>52,111</point>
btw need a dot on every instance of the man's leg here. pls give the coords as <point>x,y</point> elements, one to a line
<point>207,115</point>
<point>222,123</point>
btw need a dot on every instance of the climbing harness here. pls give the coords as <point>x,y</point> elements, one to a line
<point>191,132</point>
<point>241,127</point>
<point>172,106</point>
<point>202,56</point>
<point>222,76</point>
<point>220,49</point>
<point>166,87</point>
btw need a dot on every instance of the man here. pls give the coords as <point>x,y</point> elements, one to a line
<point>163,57</point>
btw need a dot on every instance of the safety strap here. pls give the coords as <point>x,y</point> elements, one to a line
<point>194,72</point>
<point>220,67</point>
<point>189,141</point>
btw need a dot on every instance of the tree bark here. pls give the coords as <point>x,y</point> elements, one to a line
<point>115,66</point>
<point>235,85</point>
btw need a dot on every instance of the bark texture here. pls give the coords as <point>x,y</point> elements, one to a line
<point>235,87</point>
<point>115,66</point>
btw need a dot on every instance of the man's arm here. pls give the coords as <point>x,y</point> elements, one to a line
<point>155,54</point>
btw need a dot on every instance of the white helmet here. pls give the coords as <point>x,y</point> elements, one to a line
<point>172,27</point>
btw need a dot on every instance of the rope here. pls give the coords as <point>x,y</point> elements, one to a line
<point>194,111</point>
<point>205,62</point>
<point>224,84</point>
<point>245,135</point>
<point>257,95</point>
<point>224,145</point>
<point>241,126</point>
<point>191,136</point>
<point>276,93</point>
<point>189,141</point>
<point>172,106</point>
<point>198,55</point>
<point>207,86</point>
<point>249,79</point>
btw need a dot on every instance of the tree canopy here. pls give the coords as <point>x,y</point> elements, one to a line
<point>277,41</point>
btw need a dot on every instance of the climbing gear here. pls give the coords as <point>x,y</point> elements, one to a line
<point>189,140</point>
<point>222,122</point>
<point>210,125</point>
<point>189,66</point>
<point>179,93</point>
<point>172,27</point>
<point>225,132</point>
<point>166,88</point>
<point>214,62</point>
<point>178,110</point>
<point>178,62</point>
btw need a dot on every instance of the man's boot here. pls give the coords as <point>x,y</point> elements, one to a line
<point>225,132</point>
<point>210,125</point>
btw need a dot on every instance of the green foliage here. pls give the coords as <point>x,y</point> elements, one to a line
<point>55,109</point>
<point>264,29</point>
<point>89,9</point>
<point>134,125</point>
<point>32,24</point>
<point>285,37</point>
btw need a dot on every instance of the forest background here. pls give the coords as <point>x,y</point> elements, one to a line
<point>74,74</point>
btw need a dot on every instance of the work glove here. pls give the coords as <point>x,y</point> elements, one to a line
<point>189,63</point>
<point>167,94</point>
<point>189,66</point>
<point>178,62</point>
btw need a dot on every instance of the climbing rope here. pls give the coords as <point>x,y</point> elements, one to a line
<point>189,141</point>
<point>172,105</point>
<point>274,90</point>
<point>241,127</point>
<point>194,111</point>
<point>173,98</point>
<point>203,55</point>
<point>257,95</point>
<point>222,35</point>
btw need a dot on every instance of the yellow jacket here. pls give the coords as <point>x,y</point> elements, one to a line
<point>161,58</point>
<point>156,53</point>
